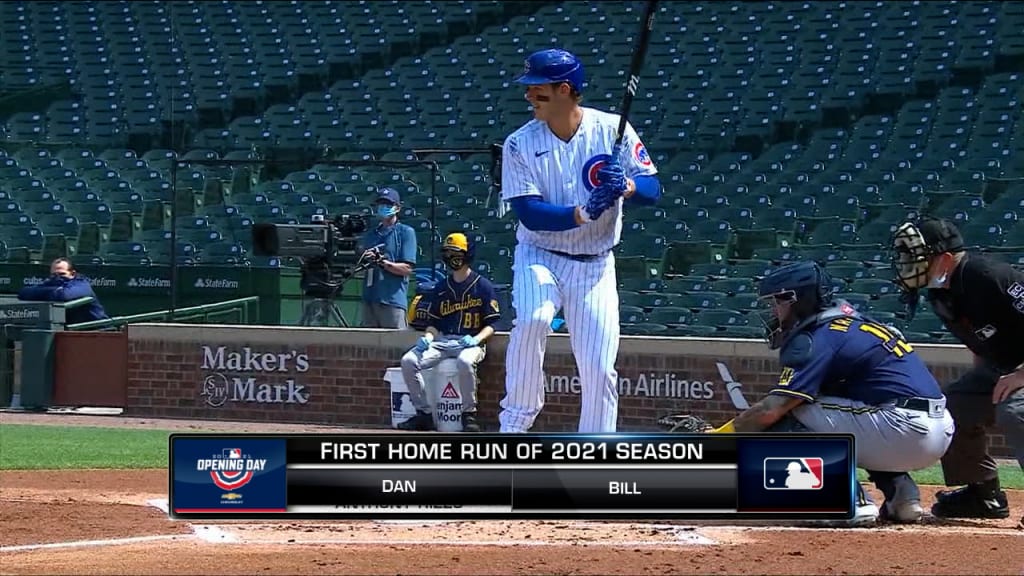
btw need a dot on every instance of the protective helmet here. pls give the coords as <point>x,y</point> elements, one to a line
<point>802,287</point>
<point>914,243</point>
<point>457,251</point>
<point>551,67</point>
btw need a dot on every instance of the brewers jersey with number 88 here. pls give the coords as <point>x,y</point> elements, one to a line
<point>461,308</point>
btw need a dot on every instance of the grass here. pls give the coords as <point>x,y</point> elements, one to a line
<point>35,447</point>
<point>1010,476</point>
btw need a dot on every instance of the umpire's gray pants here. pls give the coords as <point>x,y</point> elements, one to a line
<point>377,315</point>
<point>886,438</point>
<point>970,401</point>
<point>415,362</point>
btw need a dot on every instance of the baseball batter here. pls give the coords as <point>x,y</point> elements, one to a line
<point>566,186</point>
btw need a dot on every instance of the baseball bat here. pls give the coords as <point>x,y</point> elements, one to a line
<point>733,388</point>
<point>634,73</point>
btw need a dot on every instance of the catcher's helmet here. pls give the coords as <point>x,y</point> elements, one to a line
<point>552,66</point>
<point>803,286</point>
<point>914,243</point>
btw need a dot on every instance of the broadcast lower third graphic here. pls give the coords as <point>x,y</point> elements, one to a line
<point>793,473</point>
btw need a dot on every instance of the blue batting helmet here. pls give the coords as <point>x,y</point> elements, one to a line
<point>803,286</point>
<point>551,67</point>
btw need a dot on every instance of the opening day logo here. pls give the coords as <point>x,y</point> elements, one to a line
<point>231,469</point>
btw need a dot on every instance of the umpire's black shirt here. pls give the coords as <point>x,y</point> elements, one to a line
<point>984,308</point>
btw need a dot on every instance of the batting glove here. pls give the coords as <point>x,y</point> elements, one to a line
<point>601,198</point>
<point>612,175</point>
<point>423,344</point>
<point>468,341</point>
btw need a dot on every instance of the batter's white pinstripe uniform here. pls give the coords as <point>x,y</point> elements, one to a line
<point>536,162</point>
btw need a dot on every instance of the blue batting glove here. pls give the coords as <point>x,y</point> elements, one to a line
<point>468,341</point>
<point>613,176</point>
<point>423,344</point>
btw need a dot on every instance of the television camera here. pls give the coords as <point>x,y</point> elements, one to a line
<point>327,250</point>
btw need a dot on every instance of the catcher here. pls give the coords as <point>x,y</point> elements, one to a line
<point>844,373</point>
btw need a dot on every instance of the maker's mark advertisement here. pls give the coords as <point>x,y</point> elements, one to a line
<point>248,375</point>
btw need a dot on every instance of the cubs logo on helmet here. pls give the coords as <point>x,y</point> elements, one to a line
<point>641,155</point>
<point>591,168</point>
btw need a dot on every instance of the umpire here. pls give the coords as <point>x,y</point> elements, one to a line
<point>981,302</point>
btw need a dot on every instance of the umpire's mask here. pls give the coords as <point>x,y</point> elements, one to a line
<point>913,246</point>
<point>910,257</point>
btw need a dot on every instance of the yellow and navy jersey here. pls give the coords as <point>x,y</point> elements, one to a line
<point>459,308</point>
<point>857,359</point>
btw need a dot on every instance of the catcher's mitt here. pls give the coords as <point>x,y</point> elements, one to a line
<point>685,424</point>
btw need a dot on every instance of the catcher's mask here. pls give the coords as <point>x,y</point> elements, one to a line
<point>456,252</point>
<point>914,244</point>
<point>788,295</point>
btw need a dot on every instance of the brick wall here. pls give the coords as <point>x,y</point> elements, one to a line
<point>342,382</point>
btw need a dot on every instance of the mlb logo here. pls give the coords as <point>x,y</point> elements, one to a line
<point>232,452</point>
<point>793,473</point>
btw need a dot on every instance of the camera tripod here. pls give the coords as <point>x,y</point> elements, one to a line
<point>322,308</point>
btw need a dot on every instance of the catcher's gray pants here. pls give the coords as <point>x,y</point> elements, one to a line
<point>415,362</point>
<point>970,401</point>
<point>886,438</point>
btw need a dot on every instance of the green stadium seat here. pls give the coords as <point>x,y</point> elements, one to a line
<point>632,315</point>
<point>671,316</point>
<point>688,284</point>
<point>721,318</point>
<point>641,284</point>
<point>873,286</point>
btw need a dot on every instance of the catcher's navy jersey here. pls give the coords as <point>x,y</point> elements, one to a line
<point>860,360</point>
<point>459,308</point>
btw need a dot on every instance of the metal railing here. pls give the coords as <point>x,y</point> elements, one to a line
<point>239,310</point>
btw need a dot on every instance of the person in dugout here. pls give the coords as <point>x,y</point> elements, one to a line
<point>64,285</point>
<point>981,302</point>
<point>459,316</point>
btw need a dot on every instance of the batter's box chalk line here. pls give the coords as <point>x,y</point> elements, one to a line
<point>205,532</point>
<point>680,536</point>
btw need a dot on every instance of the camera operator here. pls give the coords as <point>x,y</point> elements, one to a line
<point>392,246</point>
<point>981,302</point>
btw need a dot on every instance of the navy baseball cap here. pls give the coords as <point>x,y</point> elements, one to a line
<point>388,195</point>
<point>941,235</point>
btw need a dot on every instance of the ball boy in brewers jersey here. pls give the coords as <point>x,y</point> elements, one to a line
<point>565,184</point>
<point>843,373</point>
<point>460,316</point>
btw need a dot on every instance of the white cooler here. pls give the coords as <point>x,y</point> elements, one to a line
<point>442,390</point>
<point>401,405</point>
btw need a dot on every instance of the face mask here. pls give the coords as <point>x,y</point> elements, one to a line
<point>387,210</point>
<point>453,260</point>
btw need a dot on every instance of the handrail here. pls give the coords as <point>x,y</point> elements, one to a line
<point>76,303</point>
<point>201,311</point>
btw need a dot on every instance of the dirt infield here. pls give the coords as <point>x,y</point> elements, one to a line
<point>109,522</point>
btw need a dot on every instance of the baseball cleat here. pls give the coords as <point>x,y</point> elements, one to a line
<point>971,502</point>
<point>421,422</point>
<point>902,512</point>
<point>865,515</point>
<point>469,423</point>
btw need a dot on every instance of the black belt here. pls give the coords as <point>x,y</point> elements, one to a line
<point>578,257</point>
<point>922,404</point>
